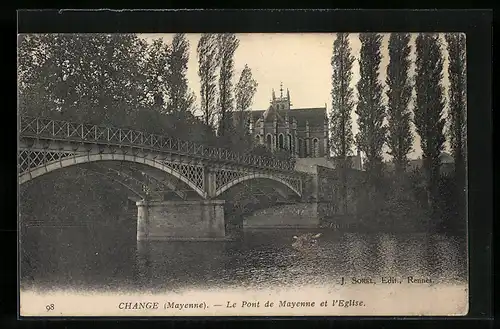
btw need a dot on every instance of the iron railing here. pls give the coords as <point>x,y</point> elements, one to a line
<point>45,128</point>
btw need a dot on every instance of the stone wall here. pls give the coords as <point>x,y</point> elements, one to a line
<point>309,165</point>
<point>331,201</point>
<point>180,220</point>
<point>285,216</point>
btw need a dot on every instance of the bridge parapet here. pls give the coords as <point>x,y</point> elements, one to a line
<point>66,131</point>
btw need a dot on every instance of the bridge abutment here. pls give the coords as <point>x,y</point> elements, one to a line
<point>292,215</point>
<point>198,220</point>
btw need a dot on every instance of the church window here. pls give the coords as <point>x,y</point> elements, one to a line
<point>269,140</point>
<point>315,148</point>
<point>306,151</point>
<point>289,142</point>
<point>281,141</point>
<point>257,139</point>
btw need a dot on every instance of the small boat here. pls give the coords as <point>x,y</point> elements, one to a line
<point>306,241</point>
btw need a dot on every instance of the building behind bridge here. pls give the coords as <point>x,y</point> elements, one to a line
<point>301,131</point>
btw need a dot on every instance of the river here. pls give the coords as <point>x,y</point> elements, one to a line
<point>107,257</point>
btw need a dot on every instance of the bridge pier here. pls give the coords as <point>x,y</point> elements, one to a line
<point>198,220</point>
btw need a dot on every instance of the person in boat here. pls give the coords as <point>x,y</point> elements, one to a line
<point>305,241</point>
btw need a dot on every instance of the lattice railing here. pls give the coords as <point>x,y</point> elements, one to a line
<point>81,132</point>
<point>29,159</point>
<point>224,177</point>
<point>295,182</point>
<point>192,172</point>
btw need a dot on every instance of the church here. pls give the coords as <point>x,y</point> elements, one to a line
<point>302,131</point>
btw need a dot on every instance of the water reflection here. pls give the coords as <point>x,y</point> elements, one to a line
<point>108,257</point>
<point>449,264</point>
<point>387,251</point>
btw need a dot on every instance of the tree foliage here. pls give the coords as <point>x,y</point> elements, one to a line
<point>429,121</point>
<point>400,138</point>
<point>227,45</point>
<point>342,97</point>
<point>207,71</point>
<point>96,78</point>
<point>245,91</point>
<point>117,79</point>
<point>457,116</point>
<point>370,110</point>
<point>180,98</point>
<point>457,92</point>
<point>156,74</point>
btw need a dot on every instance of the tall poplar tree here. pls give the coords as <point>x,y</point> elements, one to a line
<point>370,110</point>
<point>180,99</point>
<point>458,98</point>
<point>457,116</point>
<point>227,45</point>
<point>400,138</point>
<point>207,71</point>
<point>429,121</point>
<point>156,75</point>
<point>245,91</point>
<point>341,139</point>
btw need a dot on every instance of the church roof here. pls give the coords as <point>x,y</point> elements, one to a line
<point>315,115</point>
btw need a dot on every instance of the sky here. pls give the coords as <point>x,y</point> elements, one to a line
<point>300,61</point>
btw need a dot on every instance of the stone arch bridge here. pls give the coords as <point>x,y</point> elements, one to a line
<point>179,185</point>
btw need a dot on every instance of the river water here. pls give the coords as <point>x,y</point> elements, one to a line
<point>106,257</point>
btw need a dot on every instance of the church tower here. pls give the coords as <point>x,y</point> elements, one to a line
<point>282,102</point>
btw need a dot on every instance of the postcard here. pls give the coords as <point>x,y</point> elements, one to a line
<point>242,174</point>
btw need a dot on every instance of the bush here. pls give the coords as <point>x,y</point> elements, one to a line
<point>451,206</point>
<point>402,210</point>
<point>393,206</point>
<point>263,151</point>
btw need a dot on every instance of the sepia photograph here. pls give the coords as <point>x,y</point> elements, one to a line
<point>242,174</point>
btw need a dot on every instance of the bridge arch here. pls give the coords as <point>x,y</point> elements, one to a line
<point>247,177</point>
<point>138,193</point>
<point>86,158</point>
